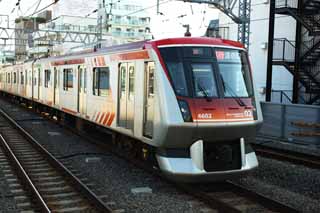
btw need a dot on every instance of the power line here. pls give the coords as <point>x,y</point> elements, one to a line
<point>39,2</point>
<point>42,9</point>
<point>147,8</point>
<point>34,4</point>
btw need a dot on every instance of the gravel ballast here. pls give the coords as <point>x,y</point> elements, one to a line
<point>7,202</point>
<point>114,177</point>
<point>295,185</point>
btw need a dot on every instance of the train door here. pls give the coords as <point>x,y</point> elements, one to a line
<point>148,109</point>
<point>82,96</point>
<point>126,96</point>
<point>55,86</point>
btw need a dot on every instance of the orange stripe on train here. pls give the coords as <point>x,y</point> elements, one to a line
<point>106,119</point>
<point>96,120</point>
<point>111,119</point>
<point>101,118</point>
<point>131,56</point>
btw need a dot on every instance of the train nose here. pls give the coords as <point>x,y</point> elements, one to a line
<point>223,119</point>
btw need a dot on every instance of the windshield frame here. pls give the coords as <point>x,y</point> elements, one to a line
<point>187,62</point>
<point>248,83</point>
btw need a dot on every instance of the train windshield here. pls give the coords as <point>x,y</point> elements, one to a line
<point>234,72</point>
<point>201,71</point>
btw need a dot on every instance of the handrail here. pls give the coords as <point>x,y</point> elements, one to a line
<point>283,50</point>
<point>287,4</point>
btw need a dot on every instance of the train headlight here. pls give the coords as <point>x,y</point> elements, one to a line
<point>185,111</point>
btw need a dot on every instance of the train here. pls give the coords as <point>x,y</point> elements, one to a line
<point>192,99</point>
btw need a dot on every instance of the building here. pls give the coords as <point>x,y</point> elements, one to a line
<point>24,28</point>
<point>258,49</point>
<point>7,57</point>
<point>51,38</point>
<point>125,20</point>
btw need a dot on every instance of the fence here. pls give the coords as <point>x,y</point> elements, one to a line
<point>291,122</point>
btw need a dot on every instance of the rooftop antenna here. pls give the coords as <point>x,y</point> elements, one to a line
<point>187,33</point>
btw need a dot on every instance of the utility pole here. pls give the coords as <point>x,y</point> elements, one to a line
<point>158,7</point>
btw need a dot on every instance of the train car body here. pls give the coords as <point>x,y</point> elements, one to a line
<point>192,99</point>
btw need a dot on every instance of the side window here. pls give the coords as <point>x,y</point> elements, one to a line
<point>9,80</point>
<point>123,81</point>
<point>21,78</point>
<point>131,82</point>
<point>101,81</point>
<point>67,79</point>
<point>85,80</point>
<point>80,78</point>
<point>39,76</point>
<point>151,79</point>
<point>14,77</point>
<point>47,77</point>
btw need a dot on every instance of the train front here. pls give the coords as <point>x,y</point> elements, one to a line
<point>210,111</point>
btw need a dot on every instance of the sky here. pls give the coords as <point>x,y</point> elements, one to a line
<point>169,23</point>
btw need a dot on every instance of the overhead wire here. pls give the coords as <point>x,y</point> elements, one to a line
<point>34,4</point>
<point>147,8</point>
<point>37,7</point>
<point>42,9</point>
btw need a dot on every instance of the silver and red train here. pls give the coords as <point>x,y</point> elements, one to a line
<point>191,99</point>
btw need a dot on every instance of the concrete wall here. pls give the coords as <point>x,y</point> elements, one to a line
<point>280,122</point>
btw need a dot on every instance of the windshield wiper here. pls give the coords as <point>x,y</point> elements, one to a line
<point>232,93</point>
<point>206,95</point>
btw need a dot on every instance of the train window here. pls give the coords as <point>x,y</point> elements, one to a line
<point>151,79</point>
<point>85,80</point>
<point>178,77</point>
<point>47,76</point>
<point>234,72</point>
<point>39,76</point>
<point>101,81</point>
<point>67,79</point>
<point>9,80</point>
<point>14,77</point>
<point>80,78</point>
<point>21,78</point>
<point>123,74</point>
<point>204,81</point>
<point>197,52</point>
<point>131,82</point>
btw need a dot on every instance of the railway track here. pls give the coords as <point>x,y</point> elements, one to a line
<point>221,197</point>
<point>50,186</point>
<point>287,155</point>
<point>230,197</point>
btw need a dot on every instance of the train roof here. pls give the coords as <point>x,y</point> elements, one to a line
<point>197,40</point>
<point>142,44</point>
<point>161,42</point>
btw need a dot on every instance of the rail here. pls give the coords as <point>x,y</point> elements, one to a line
<point>24,176</point>
<point>307,160</point>
<point>231,197</point>
<point>96,202</point>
